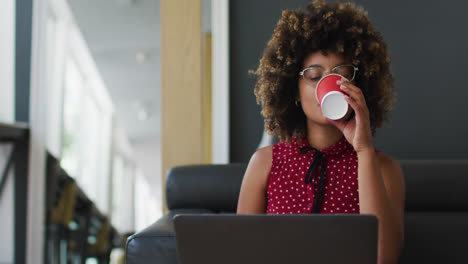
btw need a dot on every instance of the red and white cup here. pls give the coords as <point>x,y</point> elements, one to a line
<point>331,97</point>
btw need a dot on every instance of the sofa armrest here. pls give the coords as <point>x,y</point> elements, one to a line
<point>156,243</point>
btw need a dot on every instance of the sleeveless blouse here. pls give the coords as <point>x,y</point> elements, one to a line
<point>294,179</point>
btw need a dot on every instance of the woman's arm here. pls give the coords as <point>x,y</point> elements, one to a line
<point>382,193</point>
<point>381,183</point>
<point>252,197</point>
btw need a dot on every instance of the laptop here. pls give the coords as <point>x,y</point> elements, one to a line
<point>276,239</point>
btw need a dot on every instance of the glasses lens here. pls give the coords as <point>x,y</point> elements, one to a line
<point>345,70</point>
<point>313,75</point>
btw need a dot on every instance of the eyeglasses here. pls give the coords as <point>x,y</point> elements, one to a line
<point>313,74</point>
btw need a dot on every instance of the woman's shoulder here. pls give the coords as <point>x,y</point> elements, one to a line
<point>259,167</point>
<point>262,159</point>
<point>386,160</point>
<point>390,167</point>
<point>264,154</point>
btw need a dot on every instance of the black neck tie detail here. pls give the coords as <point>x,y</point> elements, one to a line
<point>319,158</point>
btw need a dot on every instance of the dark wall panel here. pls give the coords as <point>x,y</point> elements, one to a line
<point>428,46</point>
<point>23,40</point>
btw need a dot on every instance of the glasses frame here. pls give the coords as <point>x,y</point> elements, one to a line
<point>328,72</point>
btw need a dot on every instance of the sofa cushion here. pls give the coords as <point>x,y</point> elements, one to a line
<point>435,237</point>
<point>436,185</point>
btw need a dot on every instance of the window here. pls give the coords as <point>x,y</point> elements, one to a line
<point>123,195</point>
<point>74,84</point>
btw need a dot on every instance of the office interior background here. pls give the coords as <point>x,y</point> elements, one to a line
<point>94,86</point>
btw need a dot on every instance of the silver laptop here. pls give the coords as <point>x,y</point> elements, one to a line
<point>276,239</point>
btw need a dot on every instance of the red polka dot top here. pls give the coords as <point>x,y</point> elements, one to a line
<point>305,180</point>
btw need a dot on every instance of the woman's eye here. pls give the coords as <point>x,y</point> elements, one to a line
<point>315,79</point>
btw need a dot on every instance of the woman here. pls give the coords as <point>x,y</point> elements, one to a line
<point>323,165</point>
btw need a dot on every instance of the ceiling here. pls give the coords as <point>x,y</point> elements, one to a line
<point>124,39</point>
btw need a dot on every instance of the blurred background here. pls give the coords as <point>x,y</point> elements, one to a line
<point>93,105</point>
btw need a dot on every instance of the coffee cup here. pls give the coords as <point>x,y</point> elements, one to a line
<point>331,97</point>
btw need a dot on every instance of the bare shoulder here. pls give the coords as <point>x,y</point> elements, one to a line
<point>252,194</point>
<point>262,157</point>
<point>393,177</point>
<point>388,163</point>
<point>260,164</point>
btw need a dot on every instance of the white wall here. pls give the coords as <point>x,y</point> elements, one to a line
<point>148,207</point>
<point>123,182</point>
<point>148,158</point>
<point>7,55</point>
<point>220,81</point>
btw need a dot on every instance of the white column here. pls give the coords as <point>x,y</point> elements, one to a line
<point>220,92</point>
<point>38,125</point>
<point>7,56</point>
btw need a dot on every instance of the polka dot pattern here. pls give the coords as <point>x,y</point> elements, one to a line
<point>287,192</point>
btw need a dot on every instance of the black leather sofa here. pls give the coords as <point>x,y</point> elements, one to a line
<point>436,211</point>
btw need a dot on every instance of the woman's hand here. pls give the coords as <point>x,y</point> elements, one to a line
<point>357,130</point>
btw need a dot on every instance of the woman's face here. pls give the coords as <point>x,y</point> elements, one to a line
<point>307,97</point>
